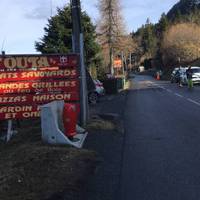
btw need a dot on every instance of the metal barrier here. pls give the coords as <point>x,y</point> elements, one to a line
<point>52,126</point>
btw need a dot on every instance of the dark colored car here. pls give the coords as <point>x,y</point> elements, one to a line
<point>92,94</point>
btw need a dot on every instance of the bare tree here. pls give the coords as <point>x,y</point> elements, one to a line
<point>181,43</point>
<point>110,29</point>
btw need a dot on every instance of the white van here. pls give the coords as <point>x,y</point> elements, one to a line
<point>195,75</point>
<point>141,69</point>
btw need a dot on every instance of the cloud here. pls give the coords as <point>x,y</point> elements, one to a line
<point>22,21</point>
<point>39,12</point>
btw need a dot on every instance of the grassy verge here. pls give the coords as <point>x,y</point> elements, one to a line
<point>31,170</point>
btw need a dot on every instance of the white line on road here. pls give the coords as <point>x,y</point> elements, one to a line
<point>170,91</point>
<point>161,87</point>
<point>178,95</point>
<point>153,84</point>
<point>192,101</point>
<point>156,85</point>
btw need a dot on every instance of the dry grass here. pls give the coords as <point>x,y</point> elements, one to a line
<point>107,122</point>
<point>31,170</point>
<point>181,43</point>
<point>100,124</point>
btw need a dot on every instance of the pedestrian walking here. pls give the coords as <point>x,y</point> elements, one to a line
<point>178,75</point>
<point>189,77</point>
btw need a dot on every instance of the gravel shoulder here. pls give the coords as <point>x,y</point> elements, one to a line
<point>108,144</point>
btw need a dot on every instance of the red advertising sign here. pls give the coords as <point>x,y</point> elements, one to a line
<point>39,87</point>
<point>23,62</point>
<point>37,98</point>
<point>117,63</point>
<point>21,112</point>
<point>38,75</point>
<point>27,81</point>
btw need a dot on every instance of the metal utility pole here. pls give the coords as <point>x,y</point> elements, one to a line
<point>78,47</point>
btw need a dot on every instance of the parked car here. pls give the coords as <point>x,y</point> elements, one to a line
<point>95,88</point>
<point>195,75</point>
<point>94,95</point>
<point>99,87</point>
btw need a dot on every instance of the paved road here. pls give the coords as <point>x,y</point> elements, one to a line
<point>161,159</point>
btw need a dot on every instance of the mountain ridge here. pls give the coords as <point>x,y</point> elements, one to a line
<point>183,7</point>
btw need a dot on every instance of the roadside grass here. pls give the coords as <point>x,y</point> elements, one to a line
<point>32,170</point>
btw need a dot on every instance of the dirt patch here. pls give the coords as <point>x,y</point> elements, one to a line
<point>31,170</point>
<point>101,122</point>
<point>97,123</point>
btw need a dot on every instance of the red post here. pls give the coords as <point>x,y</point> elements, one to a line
<point>70,114</point>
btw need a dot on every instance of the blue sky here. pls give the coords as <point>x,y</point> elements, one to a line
<point>22,21</point>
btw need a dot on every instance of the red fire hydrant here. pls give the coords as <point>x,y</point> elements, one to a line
<point>70,120</point>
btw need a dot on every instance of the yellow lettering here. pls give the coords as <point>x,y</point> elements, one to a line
<point>73,72</point>
<point>73,83</point>
<point>33,61</point>
<point>21,62</point>
<point>16,109</point>
<point>10,115</point>
<point>31,114</point>
<point>43,62</point>
<point>10,63</point>
<point>14,86</point>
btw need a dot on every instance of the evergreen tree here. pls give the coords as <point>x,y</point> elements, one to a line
<point>162,24</point>
<point>58,36</point>
<point>149,41</point>
<point>178,17</point>
<point>150,37</point>
<point>183,8</point>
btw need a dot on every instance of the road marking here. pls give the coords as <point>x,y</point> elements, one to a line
<point>154,84</point>
<point>170,91</point>
<point>192,101</point>
<point>161,87</point>
<point>178,95</point>
<point>157,85</point>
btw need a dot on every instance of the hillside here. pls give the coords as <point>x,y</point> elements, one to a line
<point>183,7</point>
